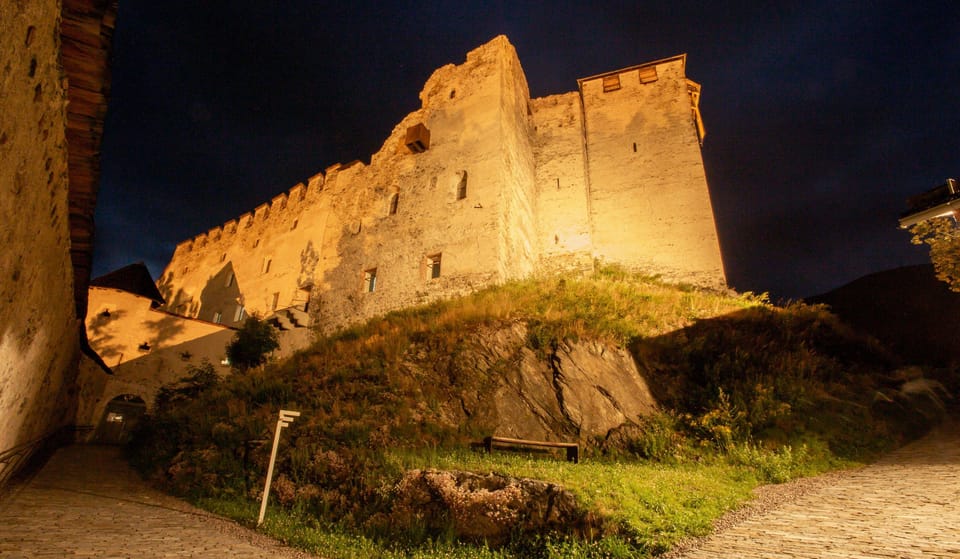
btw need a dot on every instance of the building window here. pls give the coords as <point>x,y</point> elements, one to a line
<point>648,74</point>
<point>276,299</point>
<point>394,202</point>
<point>370,280</point>
<point>256,243</point>
<point>611,83</point>
<point>462,186</point>
<point>229,279</point>
<point>239,314</point>
<point>433,266</point>
<point>294,226</point>
<point>217,317</point>
<point>266,265</point>
<point>223,257</point>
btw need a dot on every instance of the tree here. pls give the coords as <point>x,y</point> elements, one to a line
<point>252,343</point>
<point>942,235</point>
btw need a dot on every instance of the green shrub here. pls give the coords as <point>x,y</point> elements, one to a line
<point>773,466</point>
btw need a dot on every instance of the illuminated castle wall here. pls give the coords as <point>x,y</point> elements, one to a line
<point>480,185</point>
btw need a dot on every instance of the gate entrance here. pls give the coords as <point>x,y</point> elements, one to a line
<point>119,418</point>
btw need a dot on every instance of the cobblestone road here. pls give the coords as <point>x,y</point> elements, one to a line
<point>86,502</point>
<point>905,506</point>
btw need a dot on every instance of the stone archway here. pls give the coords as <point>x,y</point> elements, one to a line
<point>120,417</point>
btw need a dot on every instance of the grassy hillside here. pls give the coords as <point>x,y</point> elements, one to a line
<point>748,394</point>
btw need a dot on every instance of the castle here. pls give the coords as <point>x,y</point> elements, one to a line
<point>480,185</point>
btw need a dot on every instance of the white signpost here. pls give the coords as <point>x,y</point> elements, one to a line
<point>286,418</point>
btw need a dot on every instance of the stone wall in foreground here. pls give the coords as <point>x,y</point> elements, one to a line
<point>39,343</point>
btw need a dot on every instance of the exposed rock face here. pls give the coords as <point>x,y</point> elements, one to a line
<point>577,391</point>
<point>488,507</point>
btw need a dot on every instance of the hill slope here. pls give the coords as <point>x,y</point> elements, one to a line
<point>634,370</point>
<point>907,308</point>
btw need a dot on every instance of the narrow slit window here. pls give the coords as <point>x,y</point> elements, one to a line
<point>394,203</point>
<point>370,280</point>
<point>266,265</point>
<point>276,300</point>
<point>462,186</point>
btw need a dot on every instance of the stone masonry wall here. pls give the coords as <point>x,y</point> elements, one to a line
<point>563,232</point>
<point>649,203</point>
<point>508,187</point>
<point>39,343</point>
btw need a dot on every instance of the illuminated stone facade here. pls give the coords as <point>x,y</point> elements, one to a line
<point>53,87</point>
<point>479,186</point>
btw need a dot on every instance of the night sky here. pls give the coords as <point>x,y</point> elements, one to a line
<point>822,117</point>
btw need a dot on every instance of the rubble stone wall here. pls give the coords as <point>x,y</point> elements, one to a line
<point>508,186</point>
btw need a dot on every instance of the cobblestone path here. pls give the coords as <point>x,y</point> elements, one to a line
<point>905,506</point>
<point>86,502</point>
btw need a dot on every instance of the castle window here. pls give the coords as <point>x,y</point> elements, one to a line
<point>294,226</point>
<point>223,257</point>
<point>256,243</point>
<point>433,265</point>
<point>634,147</point>
<point>217,317</point>
<point>611,83</point>
<point>370,280</point>
<point>462,186</point>
<point>276,299</point>
<point>229,279</point>
<point>394,202</point>
<point>417,139</point>
<point>239,314</point>
<point>266,265</point>
<point>453,93</point>
<point>648,74</point>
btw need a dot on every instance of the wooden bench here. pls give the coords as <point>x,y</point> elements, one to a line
<point>573,449</point>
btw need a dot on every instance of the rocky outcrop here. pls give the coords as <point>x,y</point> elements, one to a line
<point>574,391</point>
<point>488,508</point>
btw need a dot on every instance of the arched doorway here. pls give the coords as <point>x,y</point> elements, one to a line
<point>119,418</point>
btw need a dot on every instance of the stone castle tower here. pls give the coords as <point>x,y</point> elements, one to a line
<point>480,185</point>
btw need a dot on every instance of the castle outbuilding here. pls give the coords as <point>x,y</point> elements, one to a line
<point>480,185</point>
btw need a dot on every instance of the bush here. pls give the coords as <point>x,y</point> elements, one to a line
<point>252,344</point>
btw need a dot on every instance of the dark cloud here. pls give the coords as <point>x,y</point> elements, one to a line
<point>822,117</point>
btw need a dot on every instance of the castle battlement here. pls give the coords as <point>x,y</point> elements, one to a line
<point>479,185</point>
